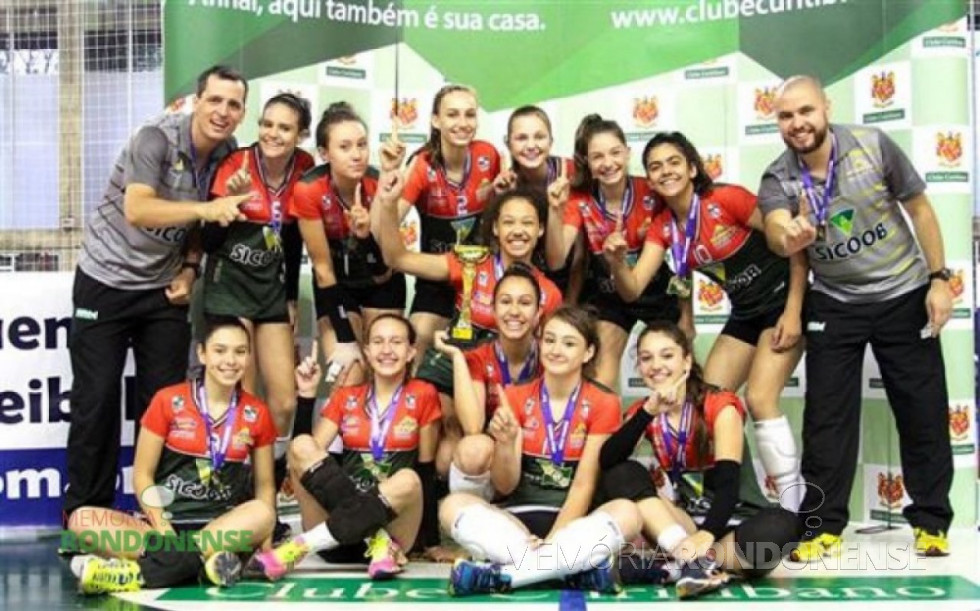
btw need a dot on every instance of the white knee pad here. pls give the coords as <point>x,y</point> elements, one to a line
<point>477,485</point>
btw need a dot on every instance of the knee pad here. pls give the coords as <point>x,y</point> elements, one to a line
<point>358,517</point>
<point>167,567</point>
<point>627,480</point>
<point>766,538</point>
<point>328,484</point>
<point>477,485</point>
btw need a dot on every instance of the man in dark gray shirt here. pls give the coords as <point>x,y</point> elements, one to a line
<point>135,271</point>
<point>838,192</point>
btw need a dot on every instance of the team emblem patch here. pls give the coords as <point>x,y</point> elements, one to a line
<point>648,202</point>
<point>177,403</point>
<point>483,162</point>
<point>714,211</point>
<point>326,202</point>
<point>406,428</point>
<point>351,404</point>
<point>243,439</point>
<point>431,174</point>
<point>482,278</point>
<point>410,401</point>
<point>249,414</point>
<point>528,407</point>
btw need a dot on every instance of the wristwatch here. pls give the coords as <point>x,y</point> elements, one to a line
<point>943,274</point>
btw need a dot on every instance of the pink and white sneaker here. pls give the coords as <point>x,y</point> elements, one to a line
<point>386,556</point>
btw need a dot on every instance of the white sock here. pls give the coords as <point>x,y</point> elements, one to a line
<point>319,538</point>
<point>671,537</point>
<point>777,451</point>
<point>280,446</point>
<point>486,533</point>
<point>583,544</point>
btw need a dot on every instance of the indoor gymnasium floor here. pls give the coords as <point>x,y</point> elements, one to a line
<point>877,571</point>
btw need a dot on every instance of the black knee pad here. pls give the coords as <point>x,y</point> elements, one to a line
<point>764,539</point>
<point>328,484</point>
<point>358,517</point>
<point>627,480</point>
<point>167,568</point>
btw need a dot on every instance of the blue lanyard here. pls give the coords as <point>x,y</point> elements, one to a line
<point>379,427</point>
<point>219,453</point>
<point>681,250</point>
<point>527,370</point>
<point>678,456</point>
<point>821,205</point>
<point>555,440</point>
<point>626,206</point>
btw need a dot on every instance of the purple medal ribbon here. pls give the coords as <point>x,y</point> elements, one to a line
<point>556,441</point>
<point>626,206</point>
<point>526,371</point>
<point>379,428</point>
<point>498,267</point>
<point>682,250</point>
<point>275,206</point>
<point>678,456</point>
<point>217,454</point>
<point>821,205</point>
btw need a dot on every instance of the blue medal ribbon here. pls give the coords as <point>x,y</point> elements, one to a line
<point>275,205</point>
<point>626,206</point>
<point>821,205</point>
<point>527,370</point>
<point>681,249</point>
<point>379,427</point>
<point>677,457</point>
<point>556,440</point>
<point>219,453</point>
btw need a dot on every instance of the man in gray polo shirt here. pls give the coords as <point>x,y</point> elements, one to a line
<point>838,192</point>
<point>135,271</point>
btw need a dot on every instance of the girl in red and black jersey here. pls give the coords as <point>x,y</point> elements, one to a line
<point>692,427</point>
<point>390,428</point>
<point>449,181</point>
<point>717,230</point>
<point>252,266</point>
<point>605,199</point>
<point>351,283</point>
<point>529,140</point>
<point>547,432</point>
<point>190,478</point>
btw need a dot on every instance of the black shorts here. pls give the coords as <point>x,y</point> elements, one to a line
<point>750,329</point>
<point>536,519</point>
<point>436,298</point>
<point>346,554</point>
<point>626,315</point>
<point>389,295</point>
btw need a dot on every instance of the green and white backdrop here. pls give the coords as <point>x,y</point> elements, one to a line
<point>704,67</point>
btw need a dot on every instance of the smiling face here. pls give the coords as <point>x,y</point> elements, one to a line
<point>608,158</point>
<point>225,354</point>
<point>518,228</point>
<point>529,141</point>
<point>515,307</point>
<point>564,350</point>
<point>347,150</point>
<point>456,118</point>
<point>803,116</point>
<point>669,172</point>
<point>389,348</point>
<point>219,108</point>
<point>661,361</point>
<point>279,131</point>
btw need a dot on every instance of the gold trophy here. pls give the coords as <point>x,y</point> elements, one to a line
<point>470,256</point>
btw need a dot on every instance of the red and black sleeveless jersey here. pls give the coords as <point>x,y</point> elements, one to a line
<point>729,252</point>
<point>446,208</point>
<point>269,202</point>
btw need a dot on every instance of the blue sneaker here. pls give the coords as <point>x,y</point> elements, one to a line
<point>696,580</point>
<point>468,577</point>
<point>603,579</point>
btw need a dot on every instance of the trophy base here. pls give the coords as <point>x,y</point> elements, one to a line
<point>463,334</point>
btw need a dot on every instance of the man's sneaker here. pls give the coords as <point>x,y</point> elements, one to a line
<point>603,579</point>
<point>696,580</point>
<point>930,544</point>
<point>274,564</point>
<point>813,549</point>
<point>468,577</point>
<point>223,568</point>
<point>385,554</point>
<point>101,575</point>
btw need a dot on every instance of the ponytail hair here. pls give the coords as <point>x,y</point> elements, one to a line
<point>434,144</point>
<point>299,105</point>
<point>337,112</point>
<point>591,125</point>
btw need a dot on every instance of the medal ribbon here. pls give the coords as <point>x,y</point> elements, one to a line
<point>274,205</point>
<point>498,267</point>
<point>217,454</point>
<point>679,249</point>
<point>527,370</point>
<point>455,188</point>
<point>555,440</point>
<point>821,205</point>
<point>626,206</point>
<point>673,460</point>
<point>379,428</point>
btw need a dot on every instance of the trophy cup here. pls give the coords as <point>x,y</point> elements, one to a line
<point>469,256</point>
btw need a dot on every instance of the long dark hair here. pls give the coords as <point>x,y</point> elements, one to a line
<point>696,388</point>
<point>583,319</point>
<point>702,182</point>
<point>523,271</point>
<point>299,105</point>
<point>434,145</point>
<point>491,213</point>
<point>591,125</point>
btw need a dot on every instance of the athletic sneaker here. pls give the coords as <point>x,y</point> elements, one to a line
<point>280,560</point>
<point>929,544</point>
<point>223,568</point>
<point>281,532</point>
<point>603,579</point>
<point>384,553</point>
<point>468,577</point>
<point>102,575</point>
<point>813,549</point>
<point>696,580</point>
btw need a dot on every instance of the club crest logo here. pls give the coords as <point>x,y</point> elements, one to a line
<point>890,490</point>
<point>713,166</point>
<point>645,111</point>
<point>405,111</point>
<point>843,220</point>
<point>177,105</point>
<point>883,89</point>
<point>949,148</point>
<point>710,296</point>
<point>765,103</point>
<point>410,233</point>
<point>959,423</point>
<point>347,60</point>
